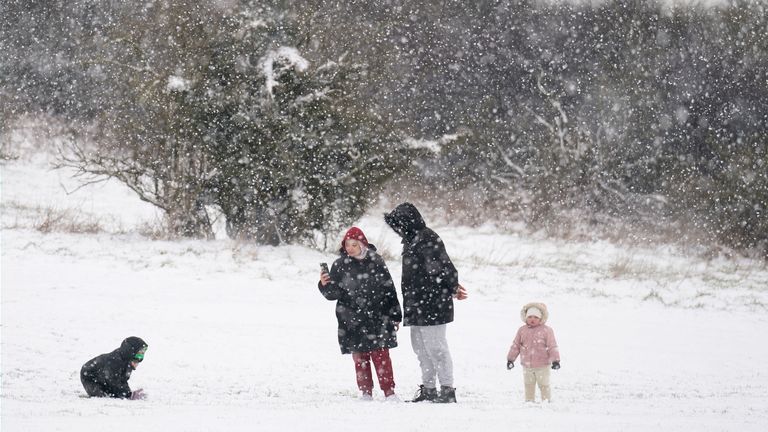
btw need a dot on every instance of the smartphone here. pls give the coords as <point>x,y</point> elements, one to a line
<point>324,268</point>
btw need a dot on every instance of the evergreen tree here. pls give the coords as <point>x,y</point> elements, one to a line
<point>219,107</point>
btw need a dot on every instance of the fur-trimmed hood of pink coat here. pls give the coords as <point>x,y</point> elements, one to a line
<point>536,345</point>
<point>540,306</point>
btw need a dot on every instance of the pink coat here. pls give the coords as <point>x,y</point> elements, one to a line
<point>536,345</point>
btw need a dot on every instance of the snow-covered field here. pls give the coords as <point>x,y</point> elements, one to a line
<point>240,338</point>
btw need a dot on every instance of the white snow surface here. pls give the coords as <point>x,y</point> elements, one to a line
<point>240,339</point>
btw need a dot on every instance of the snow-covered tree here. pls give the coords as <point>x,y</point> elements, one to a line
<point>214,106</point>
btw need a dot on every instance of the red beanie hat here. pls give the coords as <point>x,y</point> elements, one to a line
<point>355,233</point>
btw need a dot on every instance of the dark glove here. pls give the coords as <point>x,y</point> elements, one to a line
<point>555,365</point>
<point>510,364</point>
<point>138,394</point>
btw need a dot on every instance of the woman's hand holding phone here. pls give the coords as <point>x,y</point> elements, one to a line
<point>325,278</point>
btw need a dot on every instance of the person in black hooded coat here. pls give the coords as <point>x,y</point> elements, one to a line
<point>107,375</point>
<point>367,310</point>
<point>430,281</point>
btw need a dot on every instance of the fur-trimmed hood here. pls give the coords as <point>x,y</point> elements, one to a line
<point>541,306</point>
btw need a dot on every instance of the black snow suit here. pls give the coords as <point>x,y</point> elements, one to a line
<point>429,278</point>
<point>107,375</point>
<point>366,302</point>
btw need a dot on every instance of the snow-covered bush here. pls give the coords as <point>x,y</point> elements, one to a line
<point>219,107</point>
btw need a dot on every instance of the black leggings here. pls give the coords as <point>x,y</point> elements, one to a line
<point>92,388</point>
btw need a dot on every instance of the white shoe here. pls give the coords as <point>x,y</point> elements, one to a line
<point>392,398</point>
<point>366,397</point>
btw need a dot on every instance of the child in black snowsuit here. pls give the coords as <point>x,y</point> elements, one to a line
<point>107,375</point>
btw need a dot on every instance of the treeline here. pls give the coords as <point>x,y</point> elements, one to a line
<point>622,110</point>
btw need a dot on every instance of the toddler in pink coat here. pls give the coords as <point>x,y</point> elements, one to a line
<point>536,345</point>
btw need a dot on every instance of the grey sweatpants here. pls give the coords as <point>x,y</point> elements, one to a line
<point>431,347</point>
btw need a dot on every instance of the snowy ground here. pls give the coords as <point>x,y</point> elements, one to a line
<point>240,339</point>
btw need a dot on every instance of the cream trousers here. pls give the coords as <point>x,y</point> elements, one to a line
<point>533,376</point>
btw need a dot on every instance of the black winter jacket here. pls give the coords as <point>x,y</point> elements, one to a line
<point>107,375</point>
<point>429,277</point>
<point>366,302</point>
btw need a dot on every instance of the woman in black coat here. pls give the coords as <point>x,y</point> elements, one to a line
<point>367,310</point>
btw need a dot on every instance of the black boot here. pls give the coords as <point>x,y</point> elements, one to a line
<point>424,394</point>
<point>447,395</point>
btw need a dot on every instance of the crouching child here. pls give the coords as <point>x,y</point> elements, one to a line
<point>107,375</point>
<point>536,345</point>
